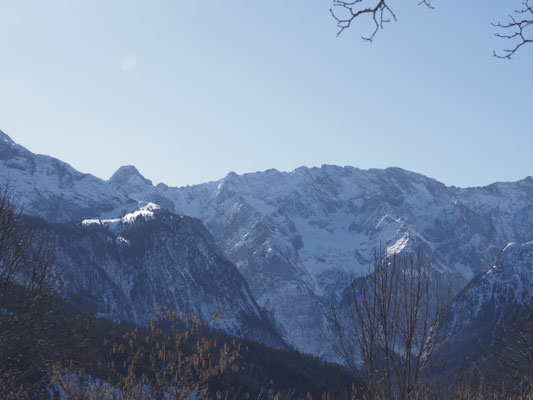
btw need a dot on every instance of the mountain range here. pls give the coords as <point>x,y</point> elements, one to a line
<point>272,250</point>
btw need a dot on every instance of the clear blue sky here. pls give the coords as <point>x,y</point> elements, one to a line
<point>190,90</point>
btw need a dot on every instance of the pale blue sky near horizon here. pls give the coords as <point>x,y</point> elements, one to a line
<point>188,91</point>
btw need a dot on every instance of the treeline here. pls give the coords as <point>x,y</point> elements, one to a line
<point>69,353</point>
<point>177,353</point>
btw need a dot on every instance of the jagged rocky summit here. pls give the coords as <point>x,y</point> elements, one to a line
<point>295,237</point>
<point>50,188</point>
<point>298,237</point>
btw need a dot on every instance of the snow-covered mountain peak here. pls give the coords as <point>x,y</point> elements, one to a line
<point>146,212</point>
<point>5,139</point>
<point>129,176</point>
<point>128,181</point>
<point>314,228</point>
<point>51,188</point>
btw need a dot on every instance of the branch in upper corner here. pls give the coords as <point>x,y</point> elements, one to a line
<point>427,3</point>
<point>381,13</point>
<point>515,30</point>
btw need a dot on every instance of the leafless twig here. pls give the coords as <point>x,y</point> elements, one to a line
<point>381,13</point>
<point>515,29</point>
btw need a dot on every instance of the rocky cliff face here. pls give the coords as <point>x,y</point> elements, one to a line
<point>124,267</point>
<point>52,189</point>
<point>298,237</point>
<point>488,303</point>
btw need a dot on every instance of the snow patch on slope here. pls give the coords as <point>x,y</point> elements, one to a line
<point>146,212</point>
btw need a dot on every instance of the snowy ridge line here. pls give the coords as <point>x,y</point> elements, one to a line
<point>299,237</point>
<point>146,212</point>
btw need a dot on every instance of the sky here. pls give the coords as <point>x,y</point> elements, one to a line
<point>188,91</point>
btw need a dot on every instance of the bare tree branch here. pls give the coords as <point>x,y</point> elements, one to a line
<point>381,13</point>
<point>388,326</point>
<point>515,28</point>
<point>509,362</point>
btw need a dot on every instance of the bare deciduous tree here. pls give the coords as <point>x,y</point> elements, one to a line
<point>508,366</point>
<point>390,327</point>
<point>27,290</point>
